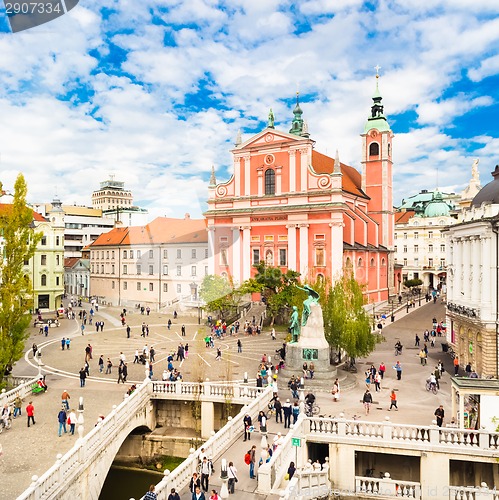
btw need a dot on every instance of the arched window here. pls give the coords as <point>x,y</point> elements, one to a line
<point>372,262</point>
<point>320,278</point>
<point>383,262</point>
<point>44,280</point>
<point>348,263</point>
<point>374,149</point>
<point>360,262</point>
<point>269,181</point>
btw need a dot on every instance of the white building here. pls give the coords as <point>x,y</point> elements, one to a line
<point>472,294</point>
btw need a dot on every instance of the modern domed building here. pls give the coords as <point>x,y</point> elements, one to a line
<point>473,285</point>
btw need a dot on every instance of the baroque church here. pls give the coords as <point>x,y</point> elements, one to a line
<point>295,208</point>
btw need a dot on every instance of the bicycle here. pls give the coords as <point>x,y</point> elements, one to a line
<point>312,410</point>
<point>431,387</point>
<point>5,424</point>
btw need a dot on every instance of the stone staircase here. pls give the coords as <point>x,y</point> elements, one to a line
<point>258,310</point>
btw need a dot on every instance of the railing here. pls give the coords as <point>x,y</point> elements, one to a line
<point>470,493</point>
<point>386,487</point>
<point>87,448</point>
<point>214,447</point>
<point>459,439</point>
<point>23,389</point>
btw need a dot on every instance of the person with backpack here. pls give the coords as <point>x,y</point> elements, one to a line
<point>251,459</point>
<point>248,424</point>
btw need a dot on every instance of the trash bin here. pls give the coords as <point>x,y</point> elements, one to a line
<point>445,347</point>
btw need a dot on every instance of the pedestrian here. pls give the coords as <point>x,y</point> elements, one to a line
<point>186,350</point>
<point>214,495</point>
<point>68,342</point>
<point>336,390</point>
<point>194,483</point>
<point>436,373</point>
<point>148,310</point>
<point>151,373</point>
<point>182,329</point>
<point>393,400</point>
<point>151,495</point>
<point>205,474</point>
<point>232,474</point>
<point>440,414</point>
<point>61,417</point>
<point>219,354</point>
<point>128,330</point>
<point>367,400</point>
<point>30,411</point>
<point>456,365</point>
<point>173,495</point>
<point>239,345</point>
<point>198,494</point>
<point>252,453</point>
<point>120,373</point>
<point>398,369</point>
<point>101,363</point>
<point>272,334</point>
<point>295,412</point>
<point>287,410</point>
<point>422,357</point>
<point>83,376</point>
<point>63,343</point>
<point>82,328</point>
<point>278,410</point>
<point>248,426</point>
<point>382,369</point>
<point>291,470</point>
<point>468,369</point>
<point>152,352</point>
<point>416,344</point>
<point>377,382</point>
<point>65,397</point>
<point>109,366</point>
<point>17,405</point>
<point>72,422</point>
<point>169,324</point>
<point>124,370</point>
<point>87,368</point>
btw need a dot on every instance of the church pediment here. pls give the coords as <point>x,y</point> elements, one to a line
<point>270,137</point>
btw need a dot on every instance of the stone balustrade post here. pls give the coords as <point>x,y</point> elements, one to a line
<point>483,440</point>
<point>434,433</point>
<point>342,426</point>
<point>387,429</point>
<point>264,480</point>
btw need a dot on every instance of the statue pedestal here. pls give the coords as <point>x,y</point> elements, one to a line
<point>312,347</point>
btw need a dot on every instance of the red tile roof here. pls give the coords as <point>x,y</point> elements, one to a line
<point>6,207</point>
<point>71,261</point>
<point>161,230</point>
<point>403,217</point>
<point>351,179</point>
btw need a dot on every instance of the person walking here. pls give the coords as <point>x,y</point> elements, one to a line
<point>252,462</point>
<point>205,474</point>
<point>377,382</point>
<point>287,410</point>
<point>83,376</point>
<point>182,330</point>
<point>61,417</point>
<point>173,495</point>
<point>393,400</point>
<point>248,424</point>
<point>295,411</point>
<point>68,343</point>
<point>437,377</point>
<point>278,410</point>
<point>101,363</point>
<point>468,370</point>
<point>124,371</point>
<point>151,495</point>
<point>398,369</point>
<point>120,373</point>
<point>109,366</point>
<point>18,402</point>
<point>63,343</point>
<point>239,345</point>
<point>232,473</point>
<point>456,366</point>
<point>416,343</point>
<point>128,330</point>
<point>440,414</point>
<point>186,351</point>
<point>169,324</point>
<point>65,397</point>
<point>198,494</point>
<point>72,422</point>
<point>368,401</point>
<point>30,411</point>
<point>382,370</point>
<point>194,483</point>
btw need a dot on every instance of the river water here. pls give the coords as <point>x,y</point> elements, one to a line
<point>123,483</point>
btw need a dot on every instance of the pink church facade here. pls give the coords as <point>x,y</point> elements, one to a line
<point>298,209</point>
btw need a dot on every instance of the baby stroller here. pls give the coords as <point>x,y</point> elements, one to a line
<point>142,359</point>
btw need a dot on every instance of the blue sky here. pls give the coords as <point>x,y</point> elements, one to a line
<point>155,91</point>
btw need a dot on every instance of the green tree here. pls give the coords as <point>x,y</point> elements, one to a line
<point>347,325</point>
<point>217,292</point>
<point>16,292</point>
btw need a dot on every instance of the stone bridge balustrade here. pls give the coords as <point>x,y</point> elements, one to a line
<point>23,388</point>
<point>386,487</point>
<point>468,493</point>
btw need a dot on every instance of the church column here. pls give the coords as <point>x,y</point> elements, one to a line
<point>278,180</point>
<point>292,170</point>
<point>211,249</point>
<point>475,276</point>
<point>247,176</point>
<point>485,277</point>
<point>304,257</point>
<point>466,268</point>
<point>246,244</point>
<point>291,246</point>
<point>303,169</point>
<point>236,255</point>
<point>458,259</point>
<point>237,177</point>
<point>260,181</point>
<point>336,253</point>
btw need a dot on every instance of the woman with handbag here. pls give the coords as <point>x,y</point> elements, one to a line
<point>232,474</point>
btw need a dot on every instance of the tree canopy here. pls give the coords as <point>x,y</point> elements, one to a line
<point>217,292</point>
<point>19,241</point>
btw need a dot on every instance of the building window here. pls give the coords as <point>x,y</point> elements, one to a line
<point>320,257</point>
<point>223,257</point>
<point>405,236</point>
<point>102,269</point>
<point>269,257</point>
<point>320,237</point>
<point>395,248</point>
<point>57,259</point>
<point>193,253</point>
<point>179,270</point>
<point>430,248</point>
<point>139,269</point>
<point>44,280</point>
<point>138,286</point>
<point>205,253</point>
<point>395,236</point>
<point>57,241</point>
<point>112,285</point>
<point>131,254</point>
<point>125,269</point>
<point>43,260</point>
<point>416,262</point>
<point>165,287</point>
<point>430,234</point>
<point>124,254</point>
<point>165,254</point>
<point>374,149</point>
<point>416,249</point>
<point>165,269</point>
<point>442,248</point>
<point>405,262</point>
<point>430,262</point>
<point>193,270</point>
<point>57,281</point>
<point>112,268</point>
<point>179,253</point>
<point>44,240</point>
<point>125,285</point>
<point>112,254</point>
<point>359,263</point>
<point>283,257</point>
<point>179,288</point>
<point>102,254</point>
<point>151,254</point>
<point>206,270</point>
<point>269,181</point>
<point>442,262</point>
<point>372,262</point>
<point>107,254</point>
<point>256,256</point>
<point>405,248</point>
<point>151,269</point>
<point>416,235</point>
<point>151,287</point>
